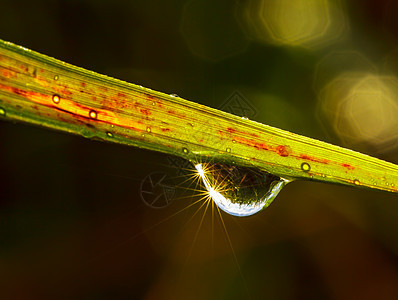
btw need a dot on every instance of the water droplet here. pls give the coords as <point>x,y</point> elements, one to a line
<point>87,133</point>
<point>229,150</point>
<point>305,167</point>
<point>56,99</point>
<point>245,118</point>
<point>93,114</point>
<point>109,134</point>
<point>185,150</point>
<point>112,126</point>
<point>2,112</point>
<point>173,95</point>
<point>148,129</point>
<point>357,182</point>
<point>239,191</point>
<point>56,77</point>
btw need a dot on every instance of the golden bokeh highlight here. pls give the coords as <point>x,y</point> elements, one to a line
<point>331,65</point>
<point>310,24</point>
<point>362,109</point>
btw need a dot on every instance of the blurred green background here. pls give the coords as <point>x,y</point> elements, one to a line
<point>72,221</point>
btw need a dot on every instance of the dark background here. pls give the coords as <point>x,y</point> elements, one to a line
<point>72,222</point>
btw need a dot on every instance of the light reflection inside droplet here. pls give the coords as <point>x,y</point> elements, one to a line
<point>266,194</point>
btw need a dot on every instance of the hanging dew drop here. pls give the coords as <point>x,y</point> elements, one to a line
<point>239,191</point>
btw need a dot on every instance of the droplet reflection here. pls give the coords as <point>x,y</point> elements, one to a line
<point>240,191</point>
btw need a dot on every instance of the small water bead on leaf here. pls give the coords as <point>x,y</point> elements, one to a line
<point>185,150</point>
<point>56,77</point>
<point>305,167</point>
<point>2,112</point>
<point>93,114</point>
<point>357,182</point>
<point>56,99</point>
<point>148,129</point>
<point>174,95</point>
<point>109,134</point>
<point>239,191</point>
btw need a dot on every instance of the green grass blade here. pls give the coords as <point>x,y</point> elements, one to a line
<point>40,90</point>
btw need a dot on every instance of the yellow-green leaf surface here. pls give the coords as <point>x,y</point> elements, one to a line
<point>40,90</point>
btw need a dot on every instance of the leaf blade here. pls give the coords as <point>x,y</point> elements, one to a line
<point>40,90</point>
